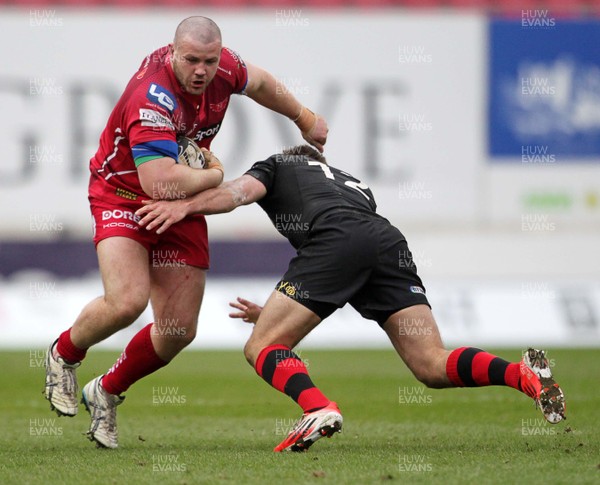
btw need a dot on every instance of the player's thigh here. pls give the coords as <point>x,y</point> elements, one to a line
<point>283,321</point>
<point>176,295</point>
<point>123,266</point>
<point>177,266</point>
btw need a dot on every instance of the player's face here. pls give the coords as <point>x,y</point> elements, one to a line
<point>195,64</point>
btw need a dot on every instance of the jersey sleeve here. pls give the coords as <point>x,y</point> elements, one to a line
<point>264,172</point>
<point>232,64</point>
<point>149,124</point>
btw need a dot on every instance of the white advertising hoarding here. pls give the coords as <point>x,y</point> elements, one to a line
<point>403,95</point>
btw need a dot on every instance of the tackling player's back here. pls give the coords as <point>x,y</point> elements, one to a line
<point>300,189</point>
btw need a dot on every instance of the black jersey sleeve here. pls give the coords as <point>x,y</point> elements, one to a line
<point>264,172</point>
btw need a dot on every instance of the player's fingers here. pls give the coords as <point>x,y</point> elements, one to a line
<point>317,145</point>
<point>164,226</point>
<point>159,222</point>
<point>148,220</point>
<point>243,301</point>
<point>143,210</point>
<point>313,142</point>
<point>241,315</point>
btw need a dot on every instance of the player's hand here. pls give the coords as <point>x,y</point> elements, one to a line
<point>313,128</point>
<point>161,214</point>
<point>317,135</point>
<point>249,312</point>
<point>212,161</point>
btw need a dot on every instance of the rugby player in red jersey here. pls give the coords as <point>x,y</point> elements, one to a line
<point>346,253</point>
<point>182,89</point>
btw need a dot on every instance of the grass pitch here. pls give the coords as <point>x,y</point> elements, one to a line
<point>207,418</point>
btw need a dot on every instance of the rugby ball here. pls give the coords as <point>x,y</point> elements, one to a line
<point>189,153</point>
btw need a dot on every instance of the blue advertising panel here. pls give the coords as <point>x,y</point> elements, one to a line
<point>544,88</point>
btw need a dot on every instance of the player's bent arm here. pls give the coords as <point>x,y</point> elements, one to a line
<point>161,215</point>
<point>162,178</point>
<point>242,191</point>
<point>263,88</point>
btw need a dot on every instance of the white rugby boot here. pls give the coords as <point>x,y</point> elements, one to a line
<point>102,407</point>
<point>61,384</point>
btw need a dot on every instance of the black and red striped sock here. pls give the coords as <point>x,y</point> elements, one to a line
<point>471,367</point>
<point>286,372</point>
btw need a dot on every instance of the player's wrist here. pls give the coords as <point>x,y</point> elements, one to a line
<point>212,162</point>
<point>217,166</point>
<point>188,206</point>
<point>306,120</point>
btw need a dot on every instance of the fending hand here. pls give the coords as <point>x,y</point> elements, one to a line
<point>249,312</point>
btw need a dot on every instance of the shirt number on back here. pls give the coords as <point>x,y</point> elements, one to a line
<point>329,174</point>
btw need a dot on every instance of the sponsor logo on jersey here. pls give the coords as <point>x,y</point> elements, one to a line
<point>126,194</point>
<point>160,95</point>
<point>220,106</point>
<point>141,73</point>
<point>417,289</point>
<point>207,132</point>
<point>150,117</point>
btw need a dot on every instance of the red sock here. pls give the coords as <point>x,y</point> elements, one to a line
<point>138,360</point>
<point>286,372</point>
<point>471,367</point>
<point>68,351</point>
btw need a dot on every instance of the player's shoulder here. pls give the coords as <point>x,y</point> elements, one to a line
<point>152,63</point>
<point>231,59</point>
<point>152,87</point>
<point>268,163</point>
<point>232,70</point>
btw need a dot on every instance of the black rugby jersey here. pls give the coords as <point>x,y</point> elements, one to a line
<point>300,189</point>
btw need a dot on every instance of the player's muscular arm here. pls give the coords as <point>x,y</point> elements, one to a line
<point>263,88</point>
<point>228,196</point>
<point>241,191</point>
<point>163,178</point>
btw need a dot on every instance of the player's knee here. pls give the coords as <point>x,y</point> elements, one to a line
<point>250,352</point>
<point>128,308</point>
<point>188,335</point>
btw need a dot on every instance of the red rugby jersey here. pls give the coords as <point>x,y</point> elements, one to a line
<point>152,111</point>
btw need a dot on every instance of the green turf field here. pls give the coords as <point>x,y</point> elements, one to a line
<point>207,418</point>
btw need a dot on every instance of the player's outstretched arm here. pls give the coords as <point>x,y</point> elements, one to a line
<point>161,215</point>
<point>263,88</point>
<point>248,311</point>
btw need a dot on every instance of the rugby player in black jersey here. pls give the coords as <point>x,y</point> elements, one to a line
<point>346,253</point>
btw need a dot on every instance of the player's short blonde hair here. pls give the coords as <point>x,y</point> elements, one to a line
<point>306,151</point>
